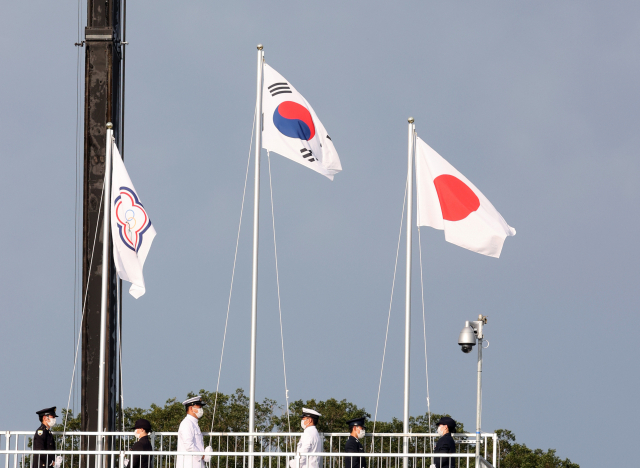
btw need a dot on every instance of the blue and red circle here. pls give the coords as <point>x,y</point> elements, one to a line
<point>294,121</point>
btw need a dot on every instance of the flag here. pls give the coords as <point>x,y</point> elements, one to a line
<point>447,200</point>
<point>291,127</point>
<point>131,228</point>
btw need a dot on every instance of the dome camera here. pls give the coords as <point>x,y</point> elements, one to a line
<point>467,338</point>
<point>466,348</point>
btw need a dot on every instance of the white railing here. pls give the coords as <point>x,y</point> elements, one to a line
<point>270,450</point>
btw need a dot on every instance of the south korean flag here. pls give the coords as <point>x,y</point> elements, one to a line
<point>291,127</point>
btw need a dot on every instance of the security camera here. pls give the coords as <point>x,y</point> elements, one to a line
<point>466,348</point>
<point>467,338</point>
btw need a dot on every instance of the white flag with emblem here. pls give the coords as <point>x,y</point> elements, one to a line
<point>291,127</point>
<point>131,228</point>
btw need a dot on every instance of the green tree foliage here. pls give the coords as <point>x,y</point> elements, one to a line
<point>514,455</point>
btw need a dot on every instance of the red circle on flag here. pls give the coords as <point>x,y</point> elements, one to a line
<point>457,200</point>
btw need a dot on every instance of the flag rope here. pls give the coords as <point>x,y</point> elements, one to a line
<point>275,251</point>
<point>233,273</point>
<point>75,361</point>
<point>393,283</point>
<point>424,332</point>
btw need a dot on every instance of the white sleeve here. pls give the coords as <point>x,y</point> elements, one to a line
<point>186,434</point>
<point>306,443</point>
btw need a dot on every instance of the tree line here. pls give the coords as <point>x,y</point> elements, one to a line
<point>232,415</point>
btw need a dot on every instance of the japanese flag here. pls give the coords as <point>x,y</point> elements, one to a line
<point>447,200</point>
<point>291,128</point>
<point>131,228</point>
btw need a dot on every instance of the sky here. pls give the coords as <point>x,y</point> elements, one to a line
<point>536,103</point>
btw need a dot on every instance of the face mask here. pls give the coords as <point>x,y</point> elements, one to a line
<point>199,413</point>
<point>52,422</point>
<point>303,425</point>
<point>361,433</point>
<point>137,434</point>
<point>440,431</point>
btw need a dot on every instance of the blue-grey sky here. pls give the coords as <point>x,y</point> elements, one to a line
<point>535,102</point>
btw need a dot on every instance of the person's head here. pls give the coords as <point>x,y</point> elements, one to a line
<point>356,427</point>
<point>193,406</point>
<point>195,410</point>
<point>446,425</point>
<point>309,418</point>
<point>141,428</point>
<point>47,416</point>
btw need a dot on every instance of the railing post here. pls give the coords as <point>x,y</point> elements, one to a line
<point>15,459</point>
<point>121,461</point>
<point>7,438</point>
<point>495,449</point>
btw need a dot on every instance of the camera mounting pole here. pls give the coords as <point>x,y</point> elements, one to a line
<point>477,328</point>
<point>471,332</point>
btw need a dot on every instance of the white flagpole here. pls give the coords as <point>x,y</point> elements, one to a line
<point>106,225</point>
<point>254,282</point>
<point>407,317</point>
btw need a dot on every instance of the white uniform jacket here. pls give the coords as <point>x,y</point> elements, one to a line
<point>310,441</point>
<point>190,440</point>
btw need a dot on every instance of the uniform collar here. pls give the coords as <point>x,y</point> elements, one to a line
<point>192,418</point>
<point>308,428</point>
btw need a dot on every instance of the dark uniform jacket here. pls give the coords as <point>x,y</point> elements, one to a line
<point>446,444</point>
<point>354,446</point>
<point>43,440</point>
<point>142,461</point>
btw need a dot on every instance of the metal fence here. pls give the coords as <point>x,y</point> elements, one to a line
<point>233,449</point>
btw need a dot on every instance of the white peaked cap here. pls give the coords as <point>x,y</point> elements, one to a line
<point>195,400</point>
<point>310,412</point>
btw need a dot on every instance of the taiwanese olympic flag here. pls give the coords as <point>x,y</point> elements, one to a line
<point>291,127</point>
<point>447,200</point>
<point>131,228</point>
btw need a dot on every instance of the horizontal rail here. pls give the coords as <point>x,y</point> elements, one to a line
<point>256,434</point>
<point>246,454</point>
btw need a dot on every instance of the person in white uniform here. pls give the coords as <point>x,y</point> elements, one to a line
<point>189,435</point>
<point>309,441</point>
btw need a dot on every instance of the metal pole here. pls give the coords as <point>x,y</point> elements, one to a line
<point>407,319</point>
<point>106,261</point>
<point>254,282</point>
<point>479,398</point>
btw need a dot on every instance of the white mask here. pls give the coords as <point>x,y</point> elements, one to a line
<point>199,413</point>
<point>52,422</point>
<point>137,434</point>
<point>440,431</point>
<point>303,425</point>
<point>361,433</point>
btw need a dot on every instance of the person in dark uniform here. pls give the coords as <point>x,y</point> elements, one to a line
<point>446,444</point>
<point>43,439</point>
<point>353,445</point>
<point>141,429</point>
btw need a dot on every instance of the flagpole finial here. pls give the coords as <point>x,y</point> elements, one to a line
<point>410,119</point>
<point>259,46</point>
<point>109,125</point>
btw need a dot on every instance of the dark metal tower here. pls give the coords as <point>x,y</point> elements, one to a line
<point>101,105</point>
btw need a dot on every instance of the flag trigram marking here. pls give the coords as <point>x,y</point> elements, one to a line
<point>306,153</point>
<point>279,88</point>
